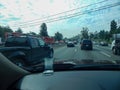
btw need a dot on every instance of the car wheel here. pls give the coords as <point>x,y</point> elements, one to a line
<point>19,62</point>
<point>114,51</point>
<point>91,49</point>
<point>51,54</point>
<point>119,52</point>
<point>81,48</point>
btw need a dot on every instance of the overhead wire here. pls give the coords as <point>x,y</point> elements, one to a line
<point>74,14</point>
<point>64,12</point>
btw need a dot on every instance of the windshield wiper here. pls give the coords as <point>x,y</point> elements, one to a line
<point>56,67</point>
<point>96,67</point>
<point>72,67</point>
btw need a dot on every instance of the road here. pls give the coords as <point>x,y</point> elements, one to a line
<point>98,53</point>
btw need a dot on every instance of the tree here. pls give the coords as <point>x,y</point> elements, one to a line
<point>32,33</point>
<point>91,36</point>
<point>75,38</point>
<point>84,33</point>
<point>19,30</point>
<point>3,30</point>
<point>96,35</point>
<point>43,30</point>
<point>104,35</point>
<point>58,36</point>
<point>118,29</point>
<point>113,27</point>
<point>7,29</point>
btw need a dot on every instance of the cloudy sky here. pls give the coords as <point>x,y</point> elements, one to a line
<point>29,14</point>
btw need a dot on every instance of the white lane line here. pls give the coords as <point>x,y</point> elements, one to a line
<point>75,50</point>
<point>107,47</point>
<point>105,54</point>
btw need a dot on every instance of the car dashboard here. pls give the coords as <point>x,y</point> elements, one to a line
<point>71,80</point>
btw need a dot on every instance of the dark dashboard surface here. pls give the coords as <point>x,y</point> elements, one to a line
<point>72,80</point>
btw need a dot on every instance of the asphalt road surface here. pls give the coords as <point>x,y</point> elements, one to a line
<point>98,53</point>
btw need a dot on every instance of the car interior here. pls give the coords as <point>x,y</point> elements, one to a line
<point>59,44</point>
<point>13,77</point>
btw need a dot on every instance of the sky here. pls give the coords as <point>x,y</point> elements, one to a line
<point>29,14</point>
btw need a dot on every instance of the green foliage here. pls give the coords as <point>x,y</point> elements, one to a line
<point>104,35</point>
<point>91,36</point>
<point>19,30</point>
<point>58,36</point>
<point>75,37</point>
<point>32,33</point>
<point>84,33</point>
<point>118,29</point>
<point>113,27</point>
<point>43,30</point>
<point>3,30</point>
<point>96,35</point>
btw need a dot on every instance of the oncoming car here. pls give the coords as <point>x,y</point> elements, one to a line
<point>70,44</point>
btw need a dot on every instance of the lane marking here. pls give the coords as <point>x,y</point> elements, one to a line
<point>103,47</point>
<point>105,54</point>
<point>75,50</point>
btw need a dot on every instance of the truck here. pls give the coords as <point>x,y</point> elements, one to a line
<point>49,40</point>
<point>26,50</point>
<point>115,46</point>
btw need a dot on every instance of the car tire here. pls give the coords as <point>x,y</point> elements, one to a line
<point>51,54</point>
<point>19,62</point>
<point>119,52</point>
<point>81,48</point>
<point>91,49</point>
<point>114,51</point>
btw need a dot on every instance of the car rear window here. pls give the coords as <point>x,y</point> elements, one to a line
<point>87,42</point>
<point>16,41</point>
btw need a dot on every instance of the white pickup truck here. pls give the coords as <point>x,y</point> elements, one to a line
<point>115,46</point>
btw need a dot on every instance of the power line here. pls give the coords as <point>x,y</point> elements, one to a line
<point>101,8</point>
<point>76,14</point>
<point>66,11</point>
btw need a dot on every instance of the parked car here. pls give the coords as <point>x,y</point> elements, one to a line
<point>75,42</point>
<point>86,44</point>
<point>104,43</point>
<point>115,46</point>
<point>70,44</point>
<point>26,50</point>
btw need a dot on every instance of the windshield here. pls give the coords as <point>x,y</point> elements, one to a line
<point>65,31</point>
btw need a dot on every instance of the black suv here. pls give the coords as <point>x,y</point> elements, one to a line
<point>86,44</point>
<point>26,50</point>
